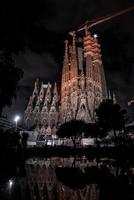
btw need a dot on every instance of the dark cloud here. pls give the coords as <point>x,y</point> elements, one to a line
<point>118,58</point>
<point>35,31</point>
<point>35,65</point>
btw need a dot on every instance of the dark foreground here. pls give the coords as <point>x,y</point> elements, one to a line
<point>62,173</point>
<point>119,152</point>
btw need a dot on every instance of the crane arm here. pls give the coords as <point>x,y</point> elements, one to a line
<point>100,20</point>
<point>111,17</point>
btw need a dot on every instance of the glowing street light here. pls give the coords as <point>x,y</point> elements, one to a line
<point>10,183</point>
<point>16,119</point>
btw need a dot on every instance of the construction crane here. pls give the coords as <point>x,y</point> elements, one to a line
<point>89,24</point>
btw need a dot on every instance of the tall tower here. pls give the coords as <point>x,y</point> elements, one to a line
<point>73,82</point>
<point>95,79</point>
<point>65,84</point>
<point>83,82</point>
<point>93,71</point>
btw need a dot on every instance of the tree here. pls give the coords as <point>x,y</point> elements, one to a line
<point>9,78</point>
<point>9,153</point>
<point>111,117</point>
<point>73,129</point>
<point>94,130</point>
<point>24,139</point>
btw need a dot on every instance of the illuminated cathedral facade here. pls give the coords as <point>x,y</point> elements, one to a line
<point>82,88</point>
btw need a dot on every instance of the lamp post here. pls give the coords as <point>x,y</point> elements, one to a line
<point>10,183</point>
<point>16,119</point>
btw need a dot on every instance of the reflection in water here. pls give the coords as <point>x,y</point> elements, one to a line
<point>44,184</point>
<point>76,179</point>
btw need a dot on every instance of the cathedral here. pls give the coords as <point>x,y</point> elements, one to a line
<point>82,88</point>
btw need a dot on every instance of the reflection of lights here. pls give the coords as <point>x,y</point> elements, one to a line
<point>49,143</point>
<point>10,183</point>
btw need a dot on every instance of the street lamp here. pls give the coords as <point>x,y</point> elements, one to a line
<point>16,119</point>
<point>10,183</point>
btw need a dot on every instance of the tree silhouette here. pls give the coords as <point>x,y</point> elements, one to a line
<point>24,139</point>
<point>94,130</point>
<point>73,129</point>
<point>71,177</point>
<point>9,77</point>
<point>9,153</point>
<point>75,178</point>
<point>111,117</point>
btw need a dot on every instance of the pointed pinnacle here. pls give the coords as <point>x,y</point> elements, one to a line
<point>73,45</point>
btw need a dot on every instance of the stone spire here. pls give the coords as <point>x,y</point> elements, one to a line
<point>41,94</point>
<point>74,43</point>
<point>55,92</point>
<point>65,70</point>
<point>28,112</point>
<point>29,106</point>
<point>65,80</point>
<point>36,88</point>
<point>47,99</point>
<point>66,52</point>
<point>74,66</point>
<point>46,107</point>
<point>37,106</point>
<point>48,94</point>
<point>55,98</point>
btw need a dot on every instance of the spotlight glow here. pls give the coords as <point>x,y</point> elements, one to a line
<point>17,118</point>
<point>95,35</point>
<point>10,183</point>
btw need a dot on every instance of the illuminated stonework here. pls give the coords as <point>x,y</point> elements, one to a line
<point>83,87</point>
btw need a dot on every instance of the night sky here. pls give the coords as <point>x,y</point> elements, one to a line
<point>34,31</point>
